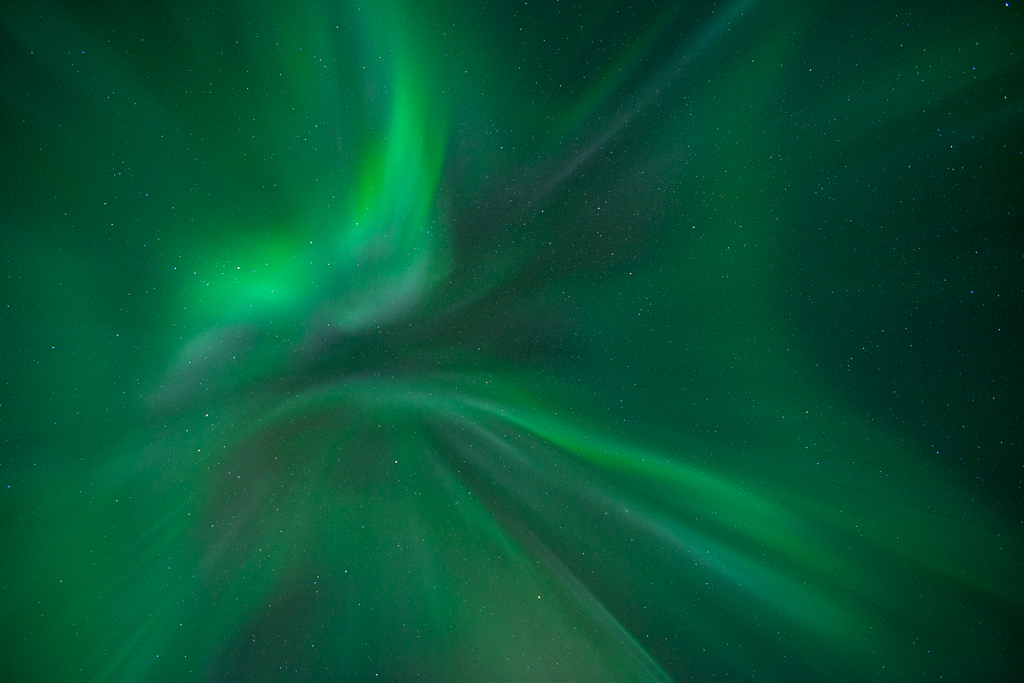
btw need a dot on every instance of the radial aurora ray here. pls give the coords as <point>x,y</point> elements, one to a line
<point>546,341</point>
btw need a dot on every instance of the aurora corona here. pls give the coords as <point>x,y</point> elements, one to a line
<point>546,341</point>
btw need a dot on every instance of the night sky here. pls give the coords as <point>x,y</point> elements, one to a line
<point>549,341</point>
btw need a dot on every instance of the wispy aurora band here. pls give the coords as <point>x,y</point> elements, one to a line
<point>376,259</point>
<point>347,488</point>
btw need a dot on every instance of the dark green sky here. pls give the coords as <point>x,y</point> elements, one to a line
<point>540,341</point>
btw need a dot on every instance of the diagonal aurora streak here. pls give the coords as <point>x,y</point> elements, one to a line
<point>556,342</point>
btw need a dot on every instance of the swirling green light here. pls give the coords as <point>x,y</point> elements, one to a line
<point>562,342</point>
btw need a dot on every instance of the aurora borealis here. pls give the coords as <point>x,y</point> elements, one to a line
<point>541,341</point>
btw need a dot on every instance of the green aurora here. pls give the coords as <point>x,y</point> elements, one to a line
<point>542,341</point>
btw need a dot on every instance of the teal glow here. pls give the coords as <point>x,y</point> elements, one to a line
<point>553,342</point>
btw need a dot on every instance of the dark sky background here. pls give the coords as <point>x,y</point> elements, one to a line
<point>540,341</point>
